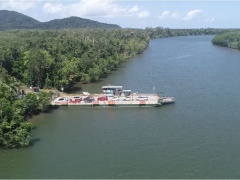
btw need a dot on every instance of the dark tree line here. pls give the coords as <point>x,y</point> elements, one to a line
<point>160,32</point>
<point>228,39</point>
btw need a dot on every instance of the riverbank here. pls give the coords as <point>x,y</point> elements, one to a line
<point>228,39</point>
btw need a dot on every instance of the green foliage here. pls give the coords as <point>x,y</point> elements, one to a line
<point>161,32</point>
<point>15,20</point>
<point>14,133</point>
<point>30,104</point>
<point>228,39</point>
<point>48,82</point>
<point>37,62</point>
<point>14,129</point>
<point>6,109</point>
<point>61,58</point>
<point>85,78</point>
<point>94,73</point>
<point>43,101</point>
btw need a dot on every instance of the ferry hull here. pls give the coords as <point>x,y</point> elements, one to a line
<point>107,104</point>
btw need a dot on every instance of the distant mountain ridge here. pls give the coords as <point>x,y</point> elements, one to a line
<point>15,20</point>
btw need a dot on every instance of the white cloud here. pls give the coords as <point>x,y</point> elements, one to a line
<point>143,14</point>
<point>94,8</point>
<point>164,15</point>
<point>192,14</point>
<point>19,5</point>
<point>175,15</point>
<point>180,16</point>
<point>134,9</point>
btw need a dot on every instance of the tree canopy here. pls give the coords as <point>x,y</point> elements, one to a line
<point>228,39</point>
<point>61,58</point>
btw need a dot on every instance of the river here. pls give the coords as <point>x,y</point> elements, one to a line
<point>197,137</point>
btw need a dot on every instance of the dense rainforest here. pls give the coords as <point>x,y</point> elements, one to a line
<point>61,58</point>
<point>228,39</point>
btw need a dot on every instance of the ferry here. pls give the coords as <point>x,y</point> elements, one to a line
<point>114,96</point>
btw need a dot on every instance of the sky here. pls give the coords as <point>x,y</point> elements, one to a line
<point>135,13</point>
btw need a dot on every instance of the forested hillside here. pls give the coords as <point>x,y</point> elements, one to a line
<point>228,39</point>
<point>14,20</point>
<point>73,23</point>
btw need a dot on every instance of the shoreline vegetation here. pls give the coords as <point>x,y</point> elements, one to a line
<point>228,39</point>
<point>15,110</point>
<point>56,59</point>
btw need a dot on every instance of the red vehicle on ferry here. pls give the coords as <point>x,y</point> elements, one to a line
<point>103,98</point>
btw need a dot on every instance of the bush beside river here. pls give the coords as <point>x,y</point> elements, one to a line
<point>228,39</point>
<point>15,110</point>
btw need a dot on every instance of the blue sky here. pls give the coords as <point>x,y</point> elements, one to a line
<point>135,13</point>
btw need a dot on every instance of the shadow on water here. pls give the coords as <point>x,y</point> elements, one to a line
<point>51,108</point>
<point>74,88</point>
<point>33,142</point>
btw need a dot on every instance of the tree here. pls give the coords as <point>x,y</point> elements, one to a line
<point>94,73</point>
<point>43,101</point>
<point>38,62</point>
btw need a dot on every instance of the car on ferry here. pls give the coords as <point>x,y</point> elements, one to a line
<point>142,98</point>
<point>60,101</point>
<point>74,99</point>
<point>115,98</point>
<point>127,98</point>
<point>103,98</point>
<point>89,99</point>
